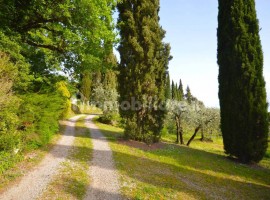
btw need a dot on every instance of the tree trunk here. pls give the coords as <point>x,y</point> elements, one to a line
<point>194,135</point>
<point>181,135</point>
<point>202,135</point>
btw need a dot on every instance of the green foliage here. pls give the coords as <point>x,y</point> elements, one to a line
<point>10,137</point>
<point>173,90</point>
<point>12,50</point>
<point>189,117</point>
<point>96,79</point>
<point>110,80</point>
<point>86,85</point>
<point>91,81</point>
<point>177,91</point>
<point>110,118</point>
<point>168,92</point>
<point>9,103</point>
<point>242,91</point>
<point>181,91</point>
<point>188,95</point>
<point>106,100</point>
<point>38,41</point>
<point>142,71</point>
<point>8,73</point>
<point>62,89</point>
<point>74,32</point>
<point>105,97</point>
<point>39,116</point>
<point>7,160</point>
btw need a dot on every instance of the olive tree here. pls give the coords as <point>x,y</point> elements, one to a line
<point>195,115</point>
<point>179,111</point>
<point>203,119</point>
<point>107,101</point>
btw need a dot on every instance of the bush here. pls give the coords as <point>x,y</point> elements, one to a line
<point>39,116</point>
<point>110,118</point>
<point>64,92</point>
<point>9,103</point>
<point>7,160</point>
<point>10,137</point>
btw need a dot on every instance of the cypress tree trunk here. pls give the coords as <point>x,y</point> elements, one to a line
<point>242,91</point>
<point>144,62</point>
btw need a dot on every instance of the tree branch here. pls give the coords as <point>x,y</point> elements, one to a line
<point>39,24</point>
<point>51,47</point>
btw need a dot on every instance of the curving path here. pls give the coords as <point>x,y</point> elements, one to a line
<point>104,177</point>
<point>33,183</point>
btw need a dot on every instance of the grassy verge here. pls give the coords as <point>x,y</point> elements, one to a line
<point>90,110</point>
<point>27,160</point>
<point>215,147</point>
<point>178,172</point>
<point>72,180</point>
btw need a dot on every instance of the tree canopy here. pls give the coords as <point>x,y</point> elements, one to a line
<point>76,33</point>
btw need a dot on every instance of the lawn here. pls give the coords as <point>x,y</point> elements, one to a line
<point>201,171</point>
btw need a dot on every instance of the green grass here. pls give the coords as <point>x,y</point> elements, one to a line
<point>88,109</point>
<point>72,180</point>
<point>27,160</point>
<point>178,172</point>
<point>215,147</point>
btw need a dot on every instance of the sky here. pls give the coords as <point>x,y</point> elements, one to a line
<point>191,27</point>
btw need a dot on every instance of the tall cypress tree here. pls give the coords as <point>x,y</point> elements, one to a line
<point>96,79</point>
<point>181,90</point>
<point>144,62</point>
<point>188,95</point>
<point>110,80</point>
<point>86,85</point>
<point>242,91</point>
<point>173,90</point>
<point>168,93</point>
<point>176,92</point>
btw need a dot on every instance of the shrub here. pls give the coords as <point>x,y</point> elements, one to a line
<point>39,116</point>
<point>9,103</point>
<point>110,118</point>
<point>7,160</point>
<point>64,92</point>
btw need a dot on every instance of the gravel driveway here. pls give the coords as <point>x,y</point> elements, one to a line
<point>104,177</point>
